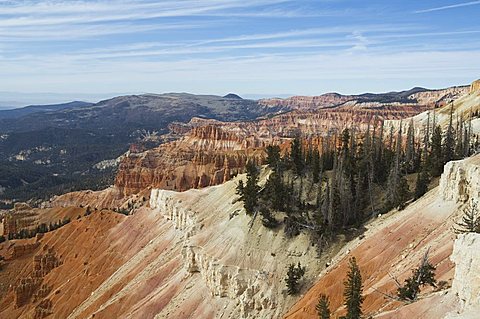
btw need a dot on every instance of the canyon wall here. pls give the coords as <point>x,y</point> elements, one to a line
<point>212,152</point>
<point>466,283</point>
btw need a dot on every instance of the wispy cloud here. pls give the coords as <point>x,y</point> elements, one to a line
<point>208,45</point>
<point>453,6</point>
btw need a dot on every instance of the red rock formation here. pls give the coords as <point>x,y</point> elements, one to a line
<point>20,250</point>
<point>43,309</point>
<point>211,153</point>
<point>31,286</point>
<point>207,156</point>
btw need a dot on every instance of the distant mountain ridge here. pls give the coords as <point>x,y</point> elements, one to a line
<point>22,111</point>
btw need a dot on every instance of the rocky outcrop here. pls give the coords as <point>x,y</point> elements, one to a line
<point>239,267</point>
<point>475,86</point>
<point>207,156</point>
<point>43,309</point>
<point>19,250</point>
<point>439,98</point>
<point>25,290</point>
<point>31,286</point>
<point>466,283</point>
<point>250,287</point>
<point>419,98</point>
<point>460,181</point>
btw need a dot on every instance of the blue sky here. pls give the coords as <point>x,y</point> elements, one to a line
<point>256,47</point>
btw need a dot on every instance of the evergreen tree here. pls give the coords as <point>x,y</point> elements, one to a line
<point>410,148</point>
<point>397,187</point>
<point>421,185</point>
<point>317,166</point>
<point>240,190</point>
<point>323,307</point>
<point>273,156</point>
<point>275,192</point>
<point>353,291</point>
<point>251,189</point>
<point>449,141</point>
<point>294,275</point>
<point>267,218</point>
<point>296,156</point>
<point>470,222</point>
<point>421,276</point>
<point>435,161</point>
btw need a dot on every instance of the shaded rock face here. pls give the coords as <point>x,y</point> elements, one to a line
<point>466,283</point>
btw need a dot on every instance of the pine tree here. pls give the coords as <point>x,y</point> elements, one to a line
<point>296,155</point>
<point>323,307</point>
<point>294,275</point>
<point>397,186</point>
<point>410,148</point>
<point>316,169</point>
<point>421,276</point>
<point>275,192</point>
<point>353,291</point>
<point>240,189</point>
<point>435,161</point>
<point>267,218</point>
<point>470,222</point>
<point>421,186</point>
<point>273,156</point>
<point>448,147</point>
<point>251,189</point>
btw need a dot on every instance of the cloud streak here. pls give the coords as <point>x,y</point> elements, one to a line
<point>210,45</point>
<point>453,6</point>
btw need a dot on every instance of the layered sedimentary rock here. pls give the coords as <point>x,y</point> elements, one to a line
<point>438,98</point>
<point>253,288</point>
<point>308,102</point>
<point>460,181</point>
<point>416,97</point>
<point>206,156</point>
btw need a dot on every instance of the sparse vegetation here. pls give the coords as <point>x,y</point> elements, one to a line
<point>40,229</point>
<point>294,275</point>
<point>421,276</point>
<point>327,185</point>
<point>470,222</point>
